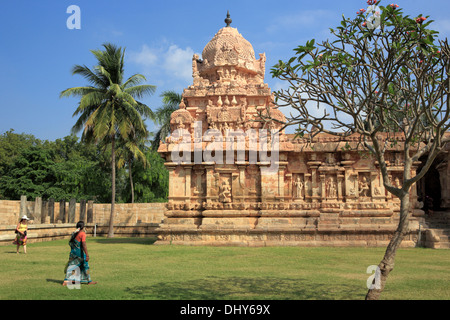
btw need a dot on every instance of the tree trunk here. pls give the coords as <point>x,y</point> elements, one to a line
<point>387,264</point>
<point>113,189</point>
<point>131,181</point>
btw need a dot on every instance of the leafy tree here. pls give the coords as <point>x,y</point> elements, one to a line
<point>382,74</point>
<point>171,102</point>
<point>152,181</point>
<point>130,152</point>
<point>108,111</point>
<point>80,169</point>
<point>30,174</point>
<point>61,170</point>
<point>12,145</point>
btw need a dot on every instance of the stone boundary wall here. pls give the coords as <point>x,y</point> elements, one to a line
<point>54,221</point>
<point>126,213</point>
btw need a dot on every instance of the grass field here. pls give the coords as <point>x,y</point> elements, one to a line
<point>136,269</point>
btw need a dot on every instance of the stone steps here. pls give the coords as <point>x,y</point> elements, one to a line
<point>436,230</point>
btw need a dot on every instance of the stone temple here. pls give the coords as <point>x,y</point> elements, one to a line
<point>317,194</point>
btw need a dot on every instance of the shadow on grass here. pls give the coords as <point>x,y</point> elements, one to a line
<point>56,281</point>
<point>102,240</point>
<point>214,288</point>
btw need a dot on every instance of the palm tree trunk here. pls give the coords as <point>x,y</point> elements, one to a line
<point>387,264</point>
<point>113,189</point>
<point>131,181</point>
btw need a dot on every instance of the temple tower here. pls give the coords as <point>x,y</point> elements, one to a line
<point>236,178</point>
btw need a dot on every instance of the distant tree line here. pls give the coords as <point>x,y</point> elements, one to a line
<point>69,168</point>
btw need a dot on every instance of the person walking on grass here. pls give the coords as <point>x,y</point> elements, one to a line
<point>77,268</point>
<point>21,231</point>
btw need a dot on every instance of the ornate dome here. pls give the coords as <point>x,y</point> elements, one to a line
<point>228,47</point>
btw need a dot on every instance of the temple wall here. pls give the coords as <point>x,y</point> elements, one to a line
<point>318,198</point>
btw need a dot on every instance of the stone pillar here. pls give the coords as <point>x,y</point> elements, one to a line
<point>444,179</point>
<point>171,170</point>
<point>315,186</point>
<point>241,182</point>
<point>187,186</point>
<point>83,210</point>
<point>210,183</point>
<point>51,210</point>
<point>23,206</point>
<point>72,208</point>
<point>349,178</point>
<point>37,209</point>
<point>322,187</point>
<point>198,183</point>
<point>281,182</point>
<point>90,211</point>
<point>307,184</point>
<point>44,211</point>
<point>340,178</point>
<point>62,211</point>
<point>289,185</point>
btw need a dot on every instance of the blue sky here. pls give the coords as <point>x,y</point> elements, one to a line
<point>37,50</point>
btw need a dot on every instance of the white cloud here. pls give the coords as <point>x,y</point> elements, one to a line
<point>179,62</point>
<point>168,60</point>
<point>280,85</point>
<point>146,57</point>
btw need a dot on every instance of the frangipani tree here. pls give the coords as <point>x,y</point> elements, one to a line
<point>384,76</point>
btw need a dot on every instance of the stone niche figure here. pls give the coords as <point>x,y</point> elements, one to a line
<point>225,192</point>
<point>331,188</point>
<point>330,159</point>
<point>364,187</point>
<point>298,188</point>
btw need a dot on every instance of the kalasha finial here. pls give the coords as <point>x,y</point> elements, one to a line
<point>228,19</point>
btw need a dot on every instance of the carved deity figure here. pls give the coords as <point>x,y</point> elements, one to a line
<point>225,192</point>
<point>298,188</point>
<point>364,187</point>
<point>331,188</point>
<point>330,159</point>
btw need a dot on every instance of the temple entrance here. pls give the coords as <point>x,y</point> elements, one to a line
<point>429,187</point>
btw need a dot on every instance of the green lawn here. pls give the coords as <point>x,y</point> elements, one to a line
<point>137,269</point>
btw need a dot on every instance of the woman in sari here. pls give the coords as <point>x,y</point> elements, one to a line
<point>21,231</point>
<point>77,268</point>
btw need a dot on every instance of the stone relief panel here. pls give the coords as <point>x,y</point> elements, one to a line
<point>364,188</point>
<point>225,190</point>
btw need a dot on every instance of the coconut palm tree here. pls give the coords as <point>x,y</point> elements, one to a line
<point>108,111</point>
<point>132,151</point>
<point>171,102</point>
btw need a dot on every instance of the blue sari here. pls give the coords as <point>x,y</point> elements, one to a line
<point>77,268</point>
